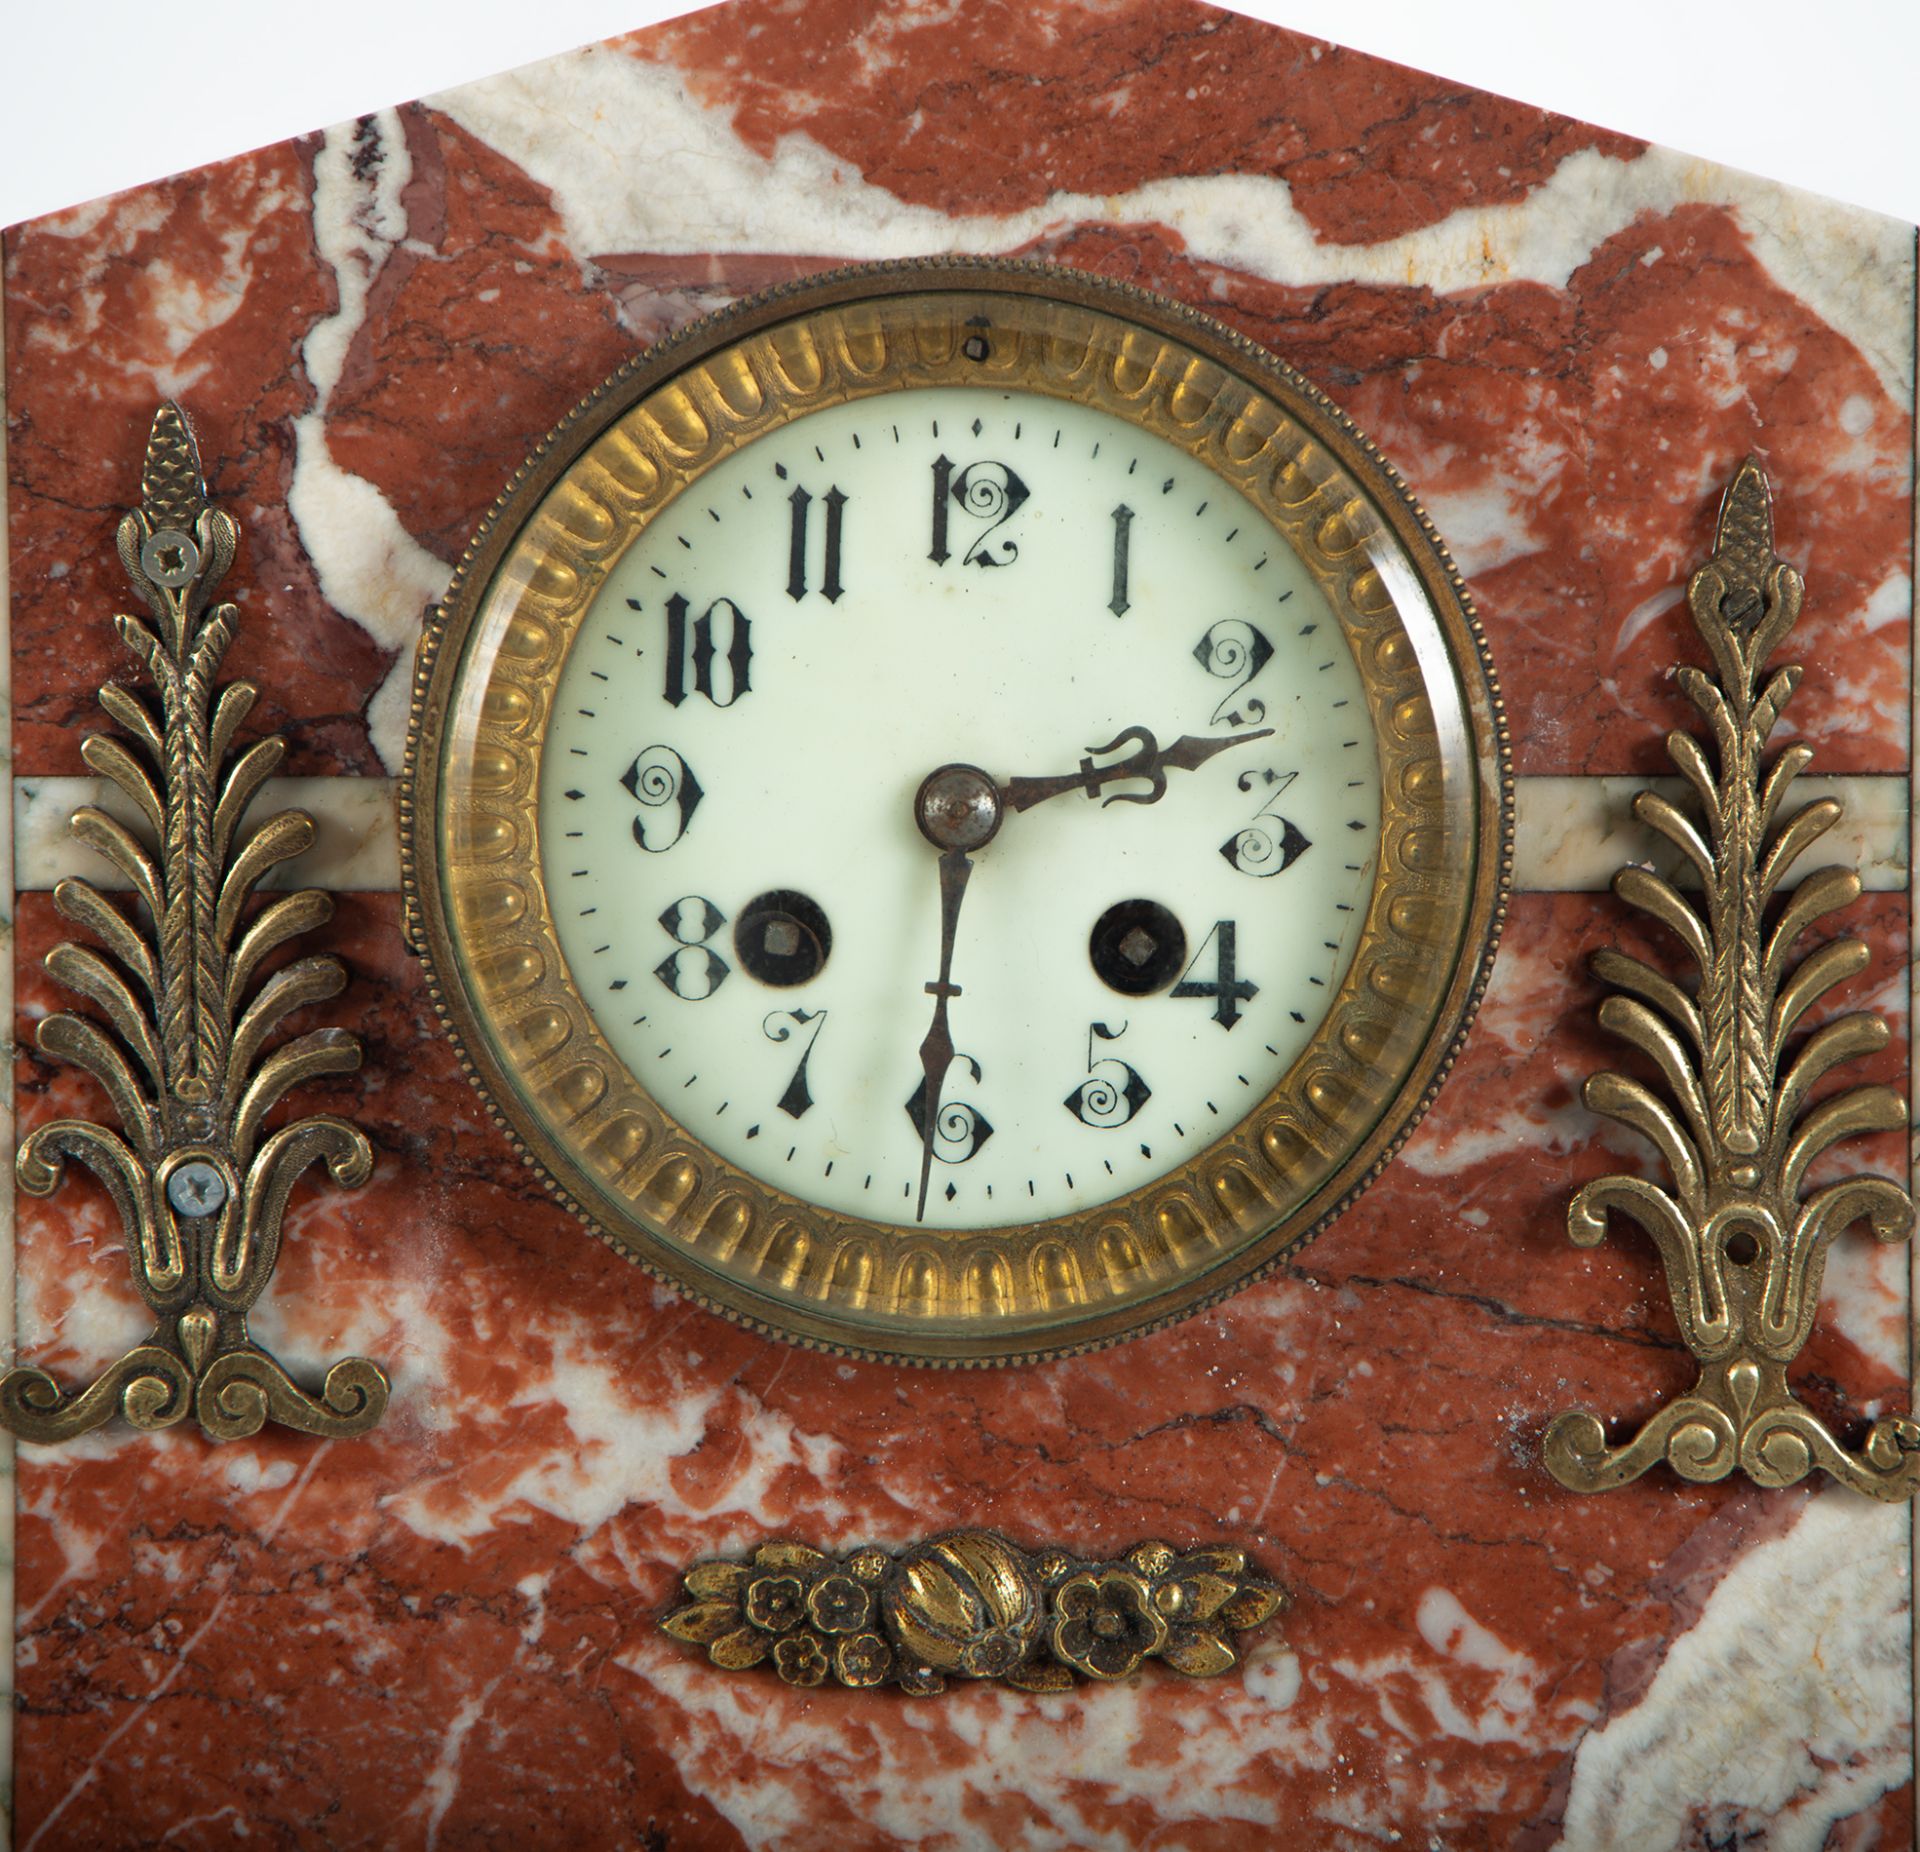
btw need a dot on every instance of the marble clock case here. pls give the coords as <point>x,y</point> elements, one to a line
<point>446,1634</point>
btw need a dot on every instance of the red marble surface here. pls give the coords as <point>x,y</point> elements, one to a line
<point>445,1634</point>
<point>1369,149</point>
<point>450,1624</point>
<point>1570,441</point>
<point>199,288</point>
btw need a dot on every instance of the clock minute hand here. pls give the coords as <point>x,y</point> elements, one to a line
<point>1146,760</point>
<point>957,809</point>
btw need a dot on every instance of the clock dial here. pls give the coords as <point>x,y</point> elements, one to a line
<point>957,812</point>
<point>756,693</point>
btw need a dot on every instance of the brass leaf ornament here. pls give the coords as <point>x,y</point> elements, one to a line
<point>971,1605</point>
<point>1743,1246</point>
<point>183,1040</point>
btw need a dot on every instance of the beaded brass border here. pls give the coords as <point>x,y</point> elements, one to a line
<point>476,904</point>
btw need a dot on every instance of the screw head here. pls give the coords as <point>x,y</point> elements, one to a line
<point>168,557</point>
<point>957,807</point>
<point>196,1188</point>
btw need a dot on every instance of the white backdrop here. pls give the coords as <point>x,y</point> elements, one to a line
<point>100,94</point>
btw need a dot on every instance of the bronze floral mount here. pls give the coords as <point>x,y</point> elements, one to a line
<point>972,1605</point>
<point>1744,1249</point>
<point>185,1050</point>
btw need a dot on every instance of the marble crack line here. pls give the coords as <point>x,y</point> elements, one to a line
<point>136,1711</point>
<point>1424,1520</point>
<point>1234,1415</point>
<point>1501,1312</point>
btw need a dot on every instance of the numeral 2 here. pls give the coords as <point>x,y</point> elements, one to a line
<point>1236,652</point>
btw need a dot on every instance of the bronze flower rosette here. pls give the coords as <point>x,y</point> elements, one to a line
<point>970,1604</point>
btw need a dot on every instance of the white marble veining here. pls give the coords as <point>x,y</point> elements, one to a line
<point>1771,1733</point>
<point>635,163</point>
<point>370,568</point>
<point>1187,1755</point>
<point>1781,1710</point>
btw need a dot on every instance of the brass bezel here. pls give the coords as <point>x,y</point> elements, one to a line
<point>476,906</point>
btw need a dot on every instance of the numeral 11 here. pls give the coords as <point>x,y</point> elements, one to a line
<point>830,587</point>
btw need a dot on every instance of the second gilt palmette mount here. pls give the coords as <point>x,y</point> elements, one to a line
<point>189,1004</point>
<point>1743,1244</point>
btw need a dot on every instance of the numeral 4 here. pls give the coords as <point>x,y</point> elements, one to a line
<point>1228,989</point>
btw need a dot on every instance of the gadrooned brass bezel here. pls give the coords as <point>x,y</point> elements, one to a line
<point>477,908</point>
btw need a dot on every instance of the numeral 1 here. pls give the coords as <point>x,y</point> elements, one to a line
<point>1119,604</point>
<point>942,487</point>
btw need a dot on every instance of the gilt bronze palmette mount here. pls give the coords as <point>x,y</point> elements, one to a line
<point>971,1605</point>
<point>1743,1245</point>
<point>182,1046</point>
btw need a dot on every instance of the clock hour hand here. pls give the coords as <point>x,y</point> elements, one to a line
<point>957,809</point>
<point>1147,760</point>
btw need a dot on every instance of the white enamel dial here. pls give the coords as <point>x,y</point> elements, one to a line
<point>1006,581</point>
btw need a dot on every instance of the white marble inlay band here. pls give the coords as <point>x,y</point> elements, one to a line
<point>355,849</point>
<point>1571,834</point>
